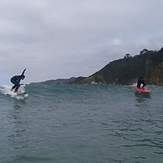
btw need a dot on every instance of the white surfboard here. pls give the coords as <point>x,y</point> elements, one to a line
<point>21,94</point>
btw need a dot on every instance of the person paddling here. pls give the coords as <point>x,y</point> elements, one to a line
<point>16,81</point>
<point>141,83</point>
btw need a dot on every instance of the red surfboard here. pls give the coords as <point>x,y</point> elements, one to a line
<point>143,90</point>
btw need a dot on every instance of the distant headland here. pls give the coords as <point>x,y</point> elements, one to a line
<point>149,64</point>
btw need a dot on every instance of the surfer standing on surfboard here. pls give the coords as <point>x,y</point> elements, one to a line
<point>141,83</point>
<point>16,81</point>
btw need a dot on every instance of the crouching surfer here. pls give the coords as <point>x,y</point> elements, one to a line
<point>16,81</point>
<point>141,87</point>
<point>141,83</point>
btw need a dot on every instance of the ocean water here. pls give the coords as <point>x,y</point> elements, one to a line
<point>82,124</point>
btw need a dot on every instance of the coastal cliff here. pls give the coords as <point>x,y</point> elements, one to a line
<point>148,64</point>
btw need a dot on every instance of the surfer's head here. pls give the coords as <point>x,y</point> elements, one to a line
<point>22,77</point>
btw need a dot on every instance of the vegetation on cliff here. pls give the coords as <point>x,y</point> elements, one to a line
<point>148,64</point>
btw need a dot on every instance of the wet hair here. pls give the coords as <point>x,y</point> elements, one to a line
<point>22,77</point>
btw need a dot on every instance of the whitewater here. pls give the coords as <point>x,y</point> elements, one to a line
<point>81,124</point>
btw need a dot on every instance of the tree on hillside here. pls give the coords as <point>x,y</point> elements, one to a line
<point>127,56</point>
<point>143,51</point>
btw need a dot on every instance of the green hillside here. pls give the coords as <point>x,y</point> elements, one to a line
<point>148,64</point>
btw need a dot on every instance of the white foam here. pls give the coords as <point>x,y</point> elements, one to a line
<point>6,90</point>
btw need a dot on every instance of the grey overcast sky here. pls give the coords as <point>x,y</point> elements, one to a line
<point>65,38</point>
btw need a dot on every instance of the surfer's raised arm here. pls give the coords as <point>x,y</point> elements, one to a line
<point>23,72</point>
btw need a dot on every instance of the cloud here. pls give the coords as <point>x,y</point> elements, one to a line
<point>59,38</point>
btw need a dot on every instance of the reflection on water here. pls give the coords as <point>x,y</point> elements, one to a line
<point>141,98</point>
<point>18,138</point>
<point>19,104</point>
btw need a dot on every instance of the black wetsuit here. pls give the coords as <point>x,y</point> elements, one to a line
<point>16,81</point>
<point>139,82</point>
